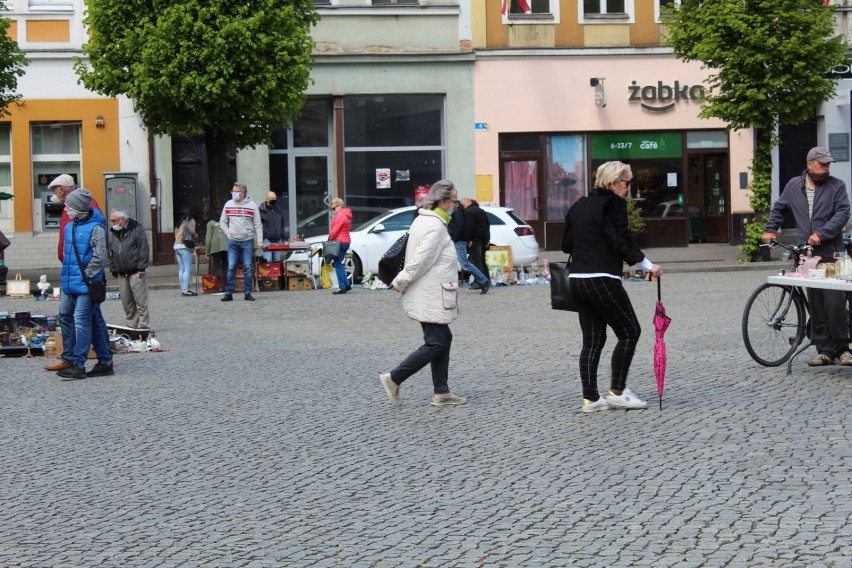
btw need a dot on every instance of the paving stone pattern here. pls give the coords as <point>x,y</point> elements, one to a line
<point>263,438</point>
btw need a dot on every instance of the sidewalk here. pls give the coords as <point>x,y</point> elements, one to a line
<point>694,258</point>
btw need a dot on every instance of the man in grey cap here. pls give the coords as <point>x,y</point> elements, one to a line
<point>820,206</point>
<point>84,260</point>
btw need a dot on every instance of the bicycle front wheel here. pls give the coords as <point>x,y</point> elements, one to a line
<point>774,324</point>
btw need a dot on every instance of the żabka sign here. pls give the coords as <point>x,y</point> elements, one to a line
<point>662,97</point>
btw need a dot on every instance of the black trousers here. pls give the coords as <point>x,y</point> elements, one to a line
<point>435,351</point>
<point>477,257</point>
<point>828,310</point>
<point>605,303</point>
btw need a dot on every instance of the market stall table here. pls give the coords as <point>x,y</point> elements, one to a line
<point>817,283</point>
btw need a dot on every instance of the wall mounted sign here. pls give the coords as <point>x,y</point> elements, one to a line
<point>600,94</point>
<point>838,145</point>
<point>662,97</point>
<point>636,145</point>
<point>383,178</point>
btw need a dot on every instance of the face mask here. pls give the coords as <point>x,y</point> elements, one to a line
<point>272,202</point>
<point>116,227</point>
<point>235,195</point>
<point>818,178</point>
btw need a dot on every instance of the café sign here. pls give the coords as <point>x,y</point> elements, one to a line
<point>662,97</point>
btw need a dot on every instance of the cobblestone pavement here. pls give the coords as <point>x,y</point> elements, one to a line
<point>262,438</point>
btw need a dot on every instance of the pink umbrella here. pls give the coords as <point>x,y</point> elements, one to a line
<point>661,324</point>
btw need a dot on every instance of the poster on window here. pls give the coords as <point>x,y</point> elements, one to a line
<point>383,178</point>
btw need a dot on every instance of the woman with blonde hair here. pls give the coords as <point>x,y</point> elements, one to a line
<point>596,236</point>
<point>341,225</point>
<point>429,286</point>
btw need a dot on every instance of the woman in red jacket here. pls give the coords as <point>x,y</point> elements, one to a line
<point>341,224</point>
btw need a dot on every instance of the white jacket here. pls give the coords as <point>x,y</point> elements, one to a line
<point>429,280</point>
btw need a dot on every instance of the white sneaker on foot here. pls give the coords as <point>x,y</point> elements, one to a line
<point>391,388</point>
<point>447,400</point>
<point>598,405</point>
<point>627,399</point>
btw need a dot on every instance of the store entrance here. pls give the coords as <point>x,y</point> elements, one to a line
<point>521,191</point>
<point>708,197</point>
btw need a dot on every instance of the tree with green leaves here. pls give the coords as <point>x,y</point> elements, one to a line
<point>230,71</point>
<point>12,64</point>
<point>769,61</point>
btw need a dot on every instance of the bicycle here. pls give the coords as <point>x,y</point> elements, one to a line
<point>775,318</point>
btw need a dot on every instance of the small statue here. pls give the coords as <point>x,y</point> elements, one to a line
<point>43,286</point>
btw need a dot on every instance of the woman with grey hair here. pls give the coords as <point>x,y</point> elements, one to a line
<point>429,286</point>
<point>596,236</point>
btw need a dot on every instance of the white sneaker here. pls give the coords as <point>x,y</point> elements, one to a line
<point>626,399</point>
<point>391,388</point>
<point>599,404</point>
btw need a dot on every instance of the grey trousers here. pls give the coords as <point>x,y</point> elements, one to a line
<point>134,300</point>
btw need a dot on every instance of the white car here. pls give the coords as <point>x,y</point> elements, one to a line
<point>372,239</point>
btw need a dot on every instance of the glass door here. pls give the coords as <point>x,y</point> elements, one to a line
<point>310,200</point>
<point>521,189</point>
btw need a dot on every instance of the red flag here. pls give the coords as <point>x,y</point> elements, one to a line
<point>523,5</point>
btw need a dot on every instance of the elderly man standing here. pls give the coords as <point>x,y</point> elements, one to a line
<point>62,186</point>
<point>820,205</point>
<point>128,261</point>
<point>272,219</point>
<point>240,221</point>
<point>84,259</point>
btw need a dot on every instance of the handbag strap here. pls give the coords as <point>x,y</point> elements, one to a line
<point>77,254</point>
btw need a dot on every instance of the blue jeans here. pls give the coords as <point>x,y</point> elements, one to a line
<point>466,264</point>
<point>272,255</point>
<point>342,281</point>
<point>435,351</point>
<point>240,251</point>
<point>88,327</point>
<point>184,260</point>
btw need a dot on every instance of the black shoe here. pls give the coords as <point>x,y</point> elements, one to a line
<point>341,291</point>
<point>249,298</point>
<point>101,370</point>
<point>475,286</point>
<point>486,286</point>
<point>348,287</point>
<point>227,298</point>
<point>73,372</point>
<point>188,293</point>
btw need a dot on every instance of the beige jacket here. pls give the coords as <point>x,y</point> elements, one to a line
<point>429,280</point>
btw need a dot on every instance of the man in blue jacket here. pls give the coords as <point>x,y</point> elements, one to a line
<point>86,233</point>
<point>820,205</point>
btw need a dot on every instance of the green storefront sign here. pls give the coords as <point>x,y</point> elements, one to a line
<point>636,145</point>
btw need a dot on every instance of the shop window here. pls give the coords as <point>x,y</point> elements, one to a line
<point>393,144</point>
<point>706,139</point>
<point>55,150</point>
<point>566,178</point>
<point>530,11</point>
<point>656,159</point>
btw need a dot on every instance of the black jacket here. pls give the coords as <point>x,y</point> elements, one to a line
<point>478,229</point>
<point>456,226</point>
<point>272,219</point>
<point>596,235</point>
<point>128,249</point>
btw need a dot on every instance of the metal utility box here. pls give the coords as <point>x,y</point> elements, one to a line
<point>120,190</point>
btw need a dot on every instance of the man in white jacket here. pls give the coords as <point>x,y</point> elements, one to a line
<point>240,221</point>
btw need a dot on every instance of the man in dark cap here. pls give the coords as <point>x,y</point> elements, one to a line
<point>84,260</point>
<point>820,205</point>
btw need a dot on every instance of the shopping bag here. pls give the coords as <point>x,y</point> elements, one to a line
<point>325,275</point>
<point>391,263</point>
<point>560,288</point>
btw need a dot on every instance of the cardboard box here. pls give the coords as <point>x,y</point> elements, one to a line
<point>271,284</point>
<point>239,285</point>
<point>269,269</point>
<point>296,283</point>
<point>57,338</point>
<point>297,267</point>
<point>208,283</point>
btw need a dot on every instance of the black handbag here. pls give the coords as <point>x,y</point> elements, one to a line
<point>391,263</point>
<point>187,239</point>
<point>330,250</point>
<point>560,287</point>
<point>97,288</point>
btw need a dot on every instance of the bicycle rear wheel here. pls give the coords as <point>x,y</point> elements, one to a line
<point>774,324</point>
